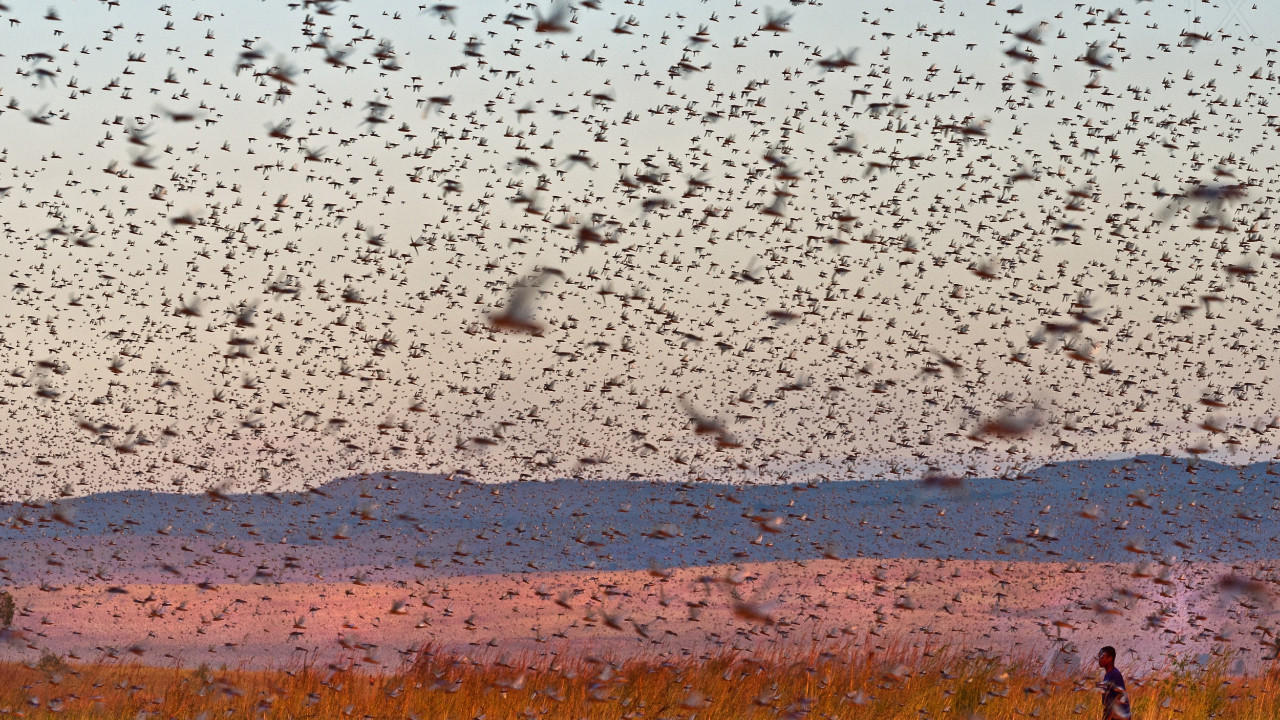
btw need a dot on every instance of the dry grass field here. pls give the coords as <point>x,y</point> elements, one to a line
<point>896,682</point>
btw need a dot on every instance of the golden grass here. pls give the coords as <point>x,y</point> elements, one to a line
<point>896,683</point>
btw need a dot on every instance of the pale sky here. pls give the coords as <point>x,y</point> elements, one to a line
<point>762,242</point>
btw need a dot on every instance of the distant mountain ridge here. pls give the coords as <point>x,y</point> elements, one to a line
<point>395,525</point>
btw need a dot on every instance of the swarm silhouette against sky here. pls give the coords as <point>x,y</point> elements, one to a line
<point>263,244</point>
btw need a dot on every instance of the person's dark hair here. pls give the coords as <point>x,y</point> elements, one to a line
<point>1109,651</point>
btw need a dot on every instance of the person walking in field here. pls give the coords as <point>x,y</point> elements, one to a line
<point>1115,699</point>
